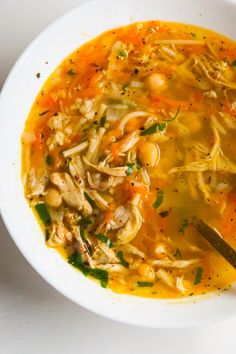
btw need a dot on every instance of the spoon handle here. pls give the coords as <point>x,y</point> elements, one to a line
<point>222,247</point>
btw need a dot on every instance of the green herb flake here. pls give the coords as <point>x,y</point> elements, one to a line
<point>159,199</point>
<point>198,276</point>
<point>71,72</point>
<point>144,284</point>
<point>123,262</point>
<point>43,213</point>
<point>176,114</point>
<point>103,121</point>
<point>150,130</point>
<point>183,227</point>
<point>234,63</point>
<point>90,200</point>
<point>76,261</point>
<point>49,160</point>
<point>153,129</point>
<point>178,254</point>
<point>82,234</point>
<point>130,169</point>
<point>85,221</point>
<point>161,126</point>
<point>193,34</point>
<point>138,165</point>
<point>124,86</point>
<point>122,54</point>
<point>101,275</point>
<point>47,235</point>
<point>105,240</point>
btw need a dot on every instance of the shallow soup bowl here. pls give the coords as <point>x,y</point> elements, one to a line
<point>17,96</point>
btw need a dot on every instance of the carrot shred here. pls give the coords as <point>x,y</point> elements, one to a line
<point>228,223</point>
<point>156,100</point>
<point>131,190</point>
<point>39,139</point>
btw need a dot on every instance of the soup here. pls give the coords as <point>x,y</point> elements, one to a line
<point>128,142</point>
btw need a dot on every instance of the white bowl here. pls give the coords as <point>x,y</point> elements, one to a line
<point>17,96</point>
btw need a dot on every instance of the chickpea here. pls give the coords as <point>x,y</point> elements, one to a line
<point>149,153</point>
<point>156,82</point>
<point>146,271</point>
<point>53,198</point>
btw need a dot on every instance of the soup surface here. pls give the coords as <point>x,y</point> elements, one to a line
<point>128,142</point>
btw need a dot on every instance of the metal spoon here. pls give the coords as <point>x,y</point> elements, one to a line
<point>214,238</point>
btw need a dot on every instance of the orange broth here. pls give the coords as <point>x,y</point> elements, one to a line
<point>189,112</point>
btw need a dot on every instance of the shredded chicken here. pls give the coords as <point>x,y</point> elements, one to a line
<point>112,171</point>
<point>59,235</point>
<point>104,255</point>
<point>73,195</point>
<point>132,226</point>
<point>174,264</point>
<point>214,161</point>
<point>36,184</point>
<point>166,277</point>
<point>94,144</point>
<point>215,76</point>
<point>119,219</point>
<point>76,149</point>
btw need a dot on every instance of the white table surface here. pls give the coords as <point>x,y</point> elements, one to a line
<point>35,318</point>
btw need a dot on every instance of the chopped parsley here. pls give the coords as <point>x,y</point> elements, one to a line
<point>43,214</point>
<point>122,54</point>
<point>138,165</point>
<point>103,121</point>
<point>124,86</point>
<point>82,234</point>
<point>161,126</point>
<point>76,261</point>
<point>178,254</point>
<point>153,129</point>
<point>90,200</point>
<point>183,227</point>
<point>144,284</point>
<point>198,277</point>
<point>85,221</point>
<point>234,63</point>
<point>71,72</point>
<point>123,262</point>
<point>47,235</point>
<point>105,240</point>
<point>175,115</point>
<point>101,275</point>
<point>159,199</point>
<point>130,169</point>
<point>49,160</point>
